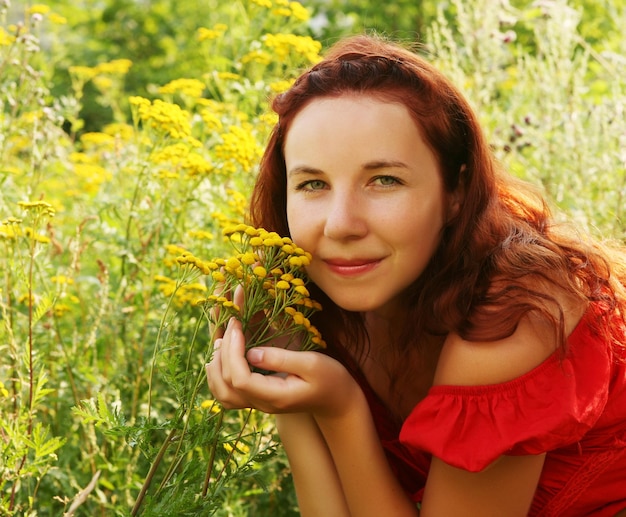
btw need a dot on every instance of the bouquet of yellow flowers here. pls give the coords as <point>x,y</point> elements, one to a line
<point>270,271</point>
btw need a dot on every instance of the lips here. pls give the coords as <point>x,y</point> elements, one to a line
<point>352,267</point>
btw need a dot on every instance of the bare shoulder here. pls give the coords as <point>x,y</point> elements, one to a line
<point>471,363</point>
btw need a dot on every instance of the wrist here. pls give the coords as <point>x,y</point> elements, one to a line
<point>349,410</point>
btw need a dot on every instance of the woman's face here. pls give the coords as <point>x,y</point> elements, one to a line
<point>365,197</point>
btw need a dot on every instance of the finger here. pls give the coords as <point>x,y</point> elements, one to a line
<point>238,296</point>
<point>284,360</point>
<point>219,389</point>
<point>214,371</point>
<point>274,393</point>
<point>233,350</point>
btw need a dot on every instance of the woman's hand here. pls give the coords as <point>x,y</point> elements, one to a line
<point>306,381</point>
<point>310,382</point>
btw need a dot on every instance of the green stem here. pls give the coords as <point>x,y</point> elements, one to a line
<point>232,452</point>
<point>211,462</point>
<point>152,472</point>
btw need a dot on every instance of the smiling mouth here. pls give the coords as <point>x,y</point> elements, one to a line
<point>351,267</point>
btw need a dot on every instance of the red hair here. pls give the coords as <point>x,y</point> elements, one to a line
<point>501,250</point>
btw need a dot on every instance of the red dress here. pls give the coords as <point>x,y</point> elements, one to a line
<point>573,408</point>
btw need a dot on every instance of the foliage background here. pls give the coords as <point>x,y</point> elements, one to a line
<point>129,135</point>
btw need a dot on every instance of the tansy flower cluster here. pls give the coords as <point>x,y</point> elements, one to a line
<point>239,147</point>
<point>190,87</point>
<point>281,45</point>
<point>164,117</point>
<point>270,271</point>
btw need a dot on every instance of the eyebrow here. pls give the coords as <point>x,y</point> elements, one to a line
<point>303,169</point>
<point>369,166</point>
<point>385,164</point>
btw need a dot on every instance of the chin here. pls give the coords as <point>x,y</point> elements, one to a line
<point>356,304</point>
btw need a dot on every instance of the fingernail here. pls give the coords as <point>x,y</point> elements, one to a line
<point>255,355</point>
<point>217,345</point>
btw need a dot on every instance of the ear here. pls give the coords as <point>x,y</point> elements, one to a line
<point>455,199</point>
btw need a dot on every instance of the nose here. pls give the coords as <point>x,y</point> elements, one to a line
<point>346,217</point>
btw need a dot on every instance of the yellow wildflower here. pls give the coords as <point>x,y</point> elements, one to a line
<point>283,44</point>
<point>239,146</point>
<point>200,234</point>
<point>115,67</point>
<point>301,290</point>
<point>280,86</point>
<point>6,39</point>
<point>41,206</point>
<point>299,12</point>
<point>211,405</point>
<point>92,176</point>
<point>241,448</point>
<point>38,9</point>
<point>298,318</point>
<point>97,139</point>
<point>135,100</point>
<point>228,76</point>
<point>210,34</point>
<point>190,87</point>
<point>282,285</point>
<point>256,56</point>
<point>232,263</point>
<point>57,19</point>
<point>61,279</point>
<point>164,117</point>
<point>249,258</point>
<point>82,73</point>
<point>260,272</point>
<point>60,309</point>
<point>269,119</point>
<point>174,249</point>
<point>218,276</point>
<point>102,83</point>
<point>282,11</point>
<point>119,130</point>
<point>196,165</point>
<point>212,121</point>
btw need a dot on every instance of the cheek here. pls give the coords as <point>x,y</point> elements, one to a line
<point>297,224</point>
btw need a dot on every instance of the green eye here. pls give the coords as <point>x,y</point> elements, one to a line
<point>386,181</point>
<point>311,185</point>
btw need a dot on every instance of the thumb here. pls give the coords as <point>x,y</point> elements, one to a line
<point>238,295</point>
<point>281,360</point>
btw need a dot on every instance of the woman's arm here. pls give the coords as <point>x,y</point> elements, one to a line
<point>320,386</point>
<point>315,477</point>
<point>506,487</point>
<point>369,485</point>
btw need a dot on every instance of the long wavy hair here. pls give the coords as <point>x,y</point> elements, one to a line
<point>499,258</point>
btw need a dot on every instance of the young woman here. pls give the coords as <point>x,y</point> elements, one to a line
<point>477,350</point>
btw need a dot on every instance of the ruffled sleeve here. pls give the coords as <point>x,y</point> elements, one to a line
<point>551,406</point>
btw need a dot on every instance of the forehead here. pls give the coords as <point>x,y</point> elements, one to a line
<point>364,122</point>
<point>349,111</point>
